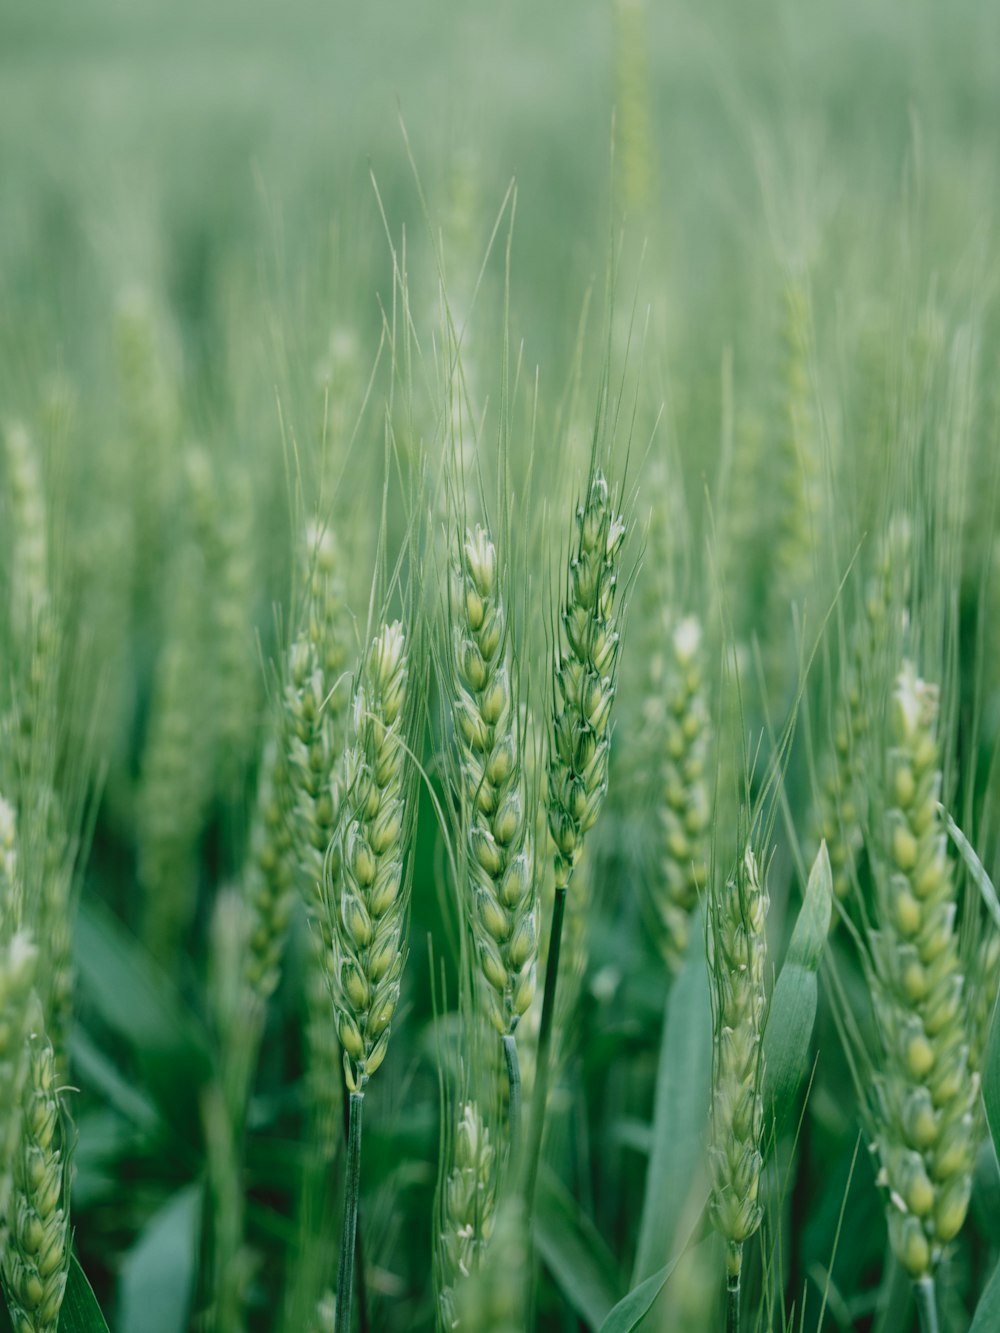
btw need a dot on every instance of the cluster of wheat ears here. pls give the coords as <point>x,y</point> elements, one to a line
<point>788,716</point>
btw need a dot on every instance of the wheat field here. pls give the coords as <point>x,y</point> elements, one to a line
<point>499,667</point>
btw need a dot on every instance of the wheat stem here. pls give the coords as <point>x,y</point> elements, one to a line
<point>541,1093</point>
<point>923,1289</point>
<point>734,1275</point>
<point>345,1276</point>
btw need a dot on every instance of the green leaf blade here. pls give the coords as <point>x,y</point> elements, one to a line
<point>680,1113</point>
<point>158,1274</point>
<point>792,1012</point>
<point>574,1253</point>
<point>80,1311</point>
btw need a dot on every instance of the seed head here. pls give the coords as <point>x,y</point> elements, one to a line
<point>502,892</point>
<point>737,960</point>
<point>467,1210</point>
<point>363,891</point>
<point>585,671</point>
<point>36,1261</point>
<point>926,1092</point>
<point>679,717</point>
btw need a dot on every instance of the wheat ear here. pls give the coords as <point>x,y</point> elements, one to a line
<point>925,1094</point>
<point>502,908</point>
<point>737,957</point>
<point>367,917</point>
<point>36,1262</point>
<point>685,806</point>
<point>586,670</point>
<point>467,1210</point>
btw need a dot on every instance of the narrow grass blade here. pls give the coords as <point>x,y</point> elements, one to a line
<point>80,1311</point>
<point>987,1316</point>
<point>974,866</point>
<point>680,1111</point>
<point>792,1011</point>
<point>574,1253</point>
<point>633,1309</point>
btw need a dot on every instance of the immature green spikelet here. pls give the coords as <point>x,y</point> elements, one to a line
<point>795,467</point>
<point>685,807</point>
<point>178,761</point>
<point>492,1299</point>
<point>737,957</point>
<point>29,548</point>
<point>586,668</point>
<point>925,1094</point>
<point>269,880</point>
<point>150,427</point>
<point>33,667</point>
<point>368,916</point>
<point>298,792</point>
<point>235,684</point>
<point>467,1210</point>
<point>493,796</point>
<point>18,967</point>
<point>839,816</point>
<point>634,104</point>
<point>38,1252</point>
<point>315,698</point>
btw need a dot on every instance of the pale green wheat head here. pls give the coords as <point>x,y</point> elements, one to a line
<point>502,910</point>
<point>737,957</point>
<point>586,667</point>
<point>925,1093</point>
<point>467,1209</point>
<point>36,1263</point>
<point>368,917</point>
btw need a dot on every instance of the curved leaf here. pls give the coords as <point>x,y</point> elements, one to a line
<point>987,1316</point>
<point>574,1252</point>
<point>80,1311</point>
<point>792,1012</point>
<point>134,999</point>
<point>629,1313</point>
<point>680,1113</point>
<point>157,1276</point>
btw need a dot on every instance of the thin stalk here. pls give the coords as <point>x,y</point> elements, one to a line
<point>345,1276</point>
<point>359,1258</point>
<point>734,1268</point>
<point>359,1268</point>
<point>732,1305</point>
<point>541,1095</point>
<point>514,1109</point>
<point>924,1291</point>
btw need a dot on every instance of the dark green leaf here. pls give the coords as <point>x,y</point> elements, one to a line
<point>137,1002</point>
<point>96,1072</point>
<point>574,1253</point>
